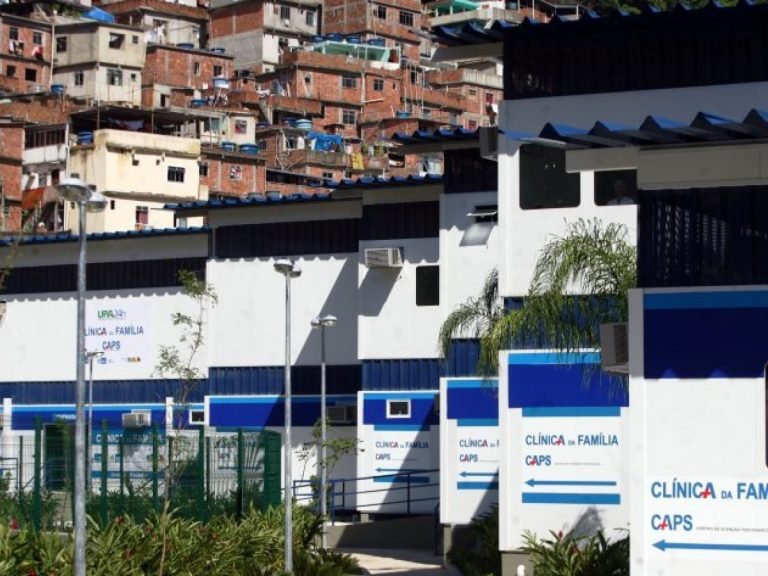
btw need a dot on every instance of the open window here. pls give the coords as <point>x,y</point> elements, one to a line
<point>116,41</point>
<point>616,187</point>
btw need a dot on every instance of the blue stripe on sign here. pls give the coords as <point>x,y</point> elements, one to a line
<point>472,403</point>
<point>554,385</point>
<point>477,485</point>
<point>571,411</point>
<point>703,300</point>
<point>401,427</point>
<point>539,358</point>
<point>702,344</point>
<point>570,498</point>
<point>399,395</point>
<point>469,422</point>
<point>402,479</point>
<point>490,383</point>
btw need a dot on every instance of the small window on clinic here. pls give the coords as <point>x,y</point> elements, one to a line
<point>398,408</point>
<point>544,183</point>
<point>616,187</point>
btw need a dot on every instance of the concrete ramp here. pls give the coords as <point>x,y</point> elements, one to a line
<point>410,533</point>
<point>396,562</point>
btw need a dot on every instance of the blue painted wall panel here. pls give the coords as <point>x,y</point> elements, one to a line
<point>341,379</point>
<point>344,379</point>
<point>260,412</point>
<point>402,374</point>
<point>24,417</point>
<point>462,358</point>
<point>104,391</point>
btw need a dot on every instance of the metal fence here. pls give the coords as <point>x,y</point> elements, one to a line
<point>138,472</point>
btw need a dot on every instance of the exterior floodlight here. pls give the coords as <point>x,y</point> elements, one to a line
<point>287,268</point>
<point>327,321</point>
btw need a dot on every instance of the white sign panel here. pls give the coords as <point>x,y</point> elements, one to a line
<point>137,449</point>
<point>120,330</point>
<point>469,448</point>
<point>564,465</point>
<point>699,458</point>
<point>398,464</point>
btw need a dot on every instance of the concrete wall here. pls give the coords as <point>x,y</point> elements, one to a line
<point>45,323</point>
<point>136,163</point>
<point>525,231</point>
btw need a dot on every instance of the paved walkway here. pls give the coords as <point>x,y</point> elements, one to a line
<point>398,562</point>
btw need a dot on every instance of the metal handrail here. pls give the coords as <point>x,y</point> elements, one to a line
<point>334,493</point>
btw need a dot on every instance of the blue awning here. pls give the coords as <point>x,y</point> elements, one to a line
<point>652,131</point>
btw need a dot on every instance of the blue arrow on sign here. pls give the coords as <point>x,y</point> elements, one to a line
<point>465,474</point>
<point>400,470</point>
<point>534,483</point>
<point>663,545</point>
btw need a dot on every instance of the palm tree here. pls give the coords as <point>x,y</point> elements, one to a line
<point>475,317</point>
<point>580,281</point>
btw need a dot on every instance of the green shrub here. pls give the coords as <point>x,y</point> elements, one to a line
<point>481,557</point>
<point>166,544</point>
<point>566,555</point>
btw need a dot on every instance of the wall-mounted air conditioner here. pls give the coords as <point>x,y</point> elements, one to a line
<point>614,347</point>
<point>341,414</point>
<point>384,257</point>
<point>139,419</point>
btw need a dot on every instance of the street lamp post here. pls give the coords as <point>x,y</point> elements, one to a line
<point>87,200</point>
<point>290,270</point>
<point>90,355</point>
<point>323,322</point>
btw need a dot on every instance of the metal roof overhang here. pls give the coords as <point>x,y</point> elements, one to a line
<point>202,207</point>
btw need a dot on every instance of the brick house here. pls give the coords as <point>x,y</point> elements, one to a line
<point>176,76</point>
<point>25,54</point>
<point>258,32</point>
<point>391,21</point>
<point>231,173</point>
<point>171,23</point>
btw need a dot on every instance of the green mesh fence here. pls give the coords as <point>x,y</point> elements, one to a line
<point>137,472</point>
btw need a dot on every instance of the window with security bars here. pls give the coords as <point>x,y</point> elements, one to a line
<point>703,237</point>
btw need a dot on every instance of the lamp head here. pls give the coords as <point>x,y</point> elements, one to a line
<point>327,321</point>
<point>73,189</point>
<point>96,203</point>
<point>287,268</point>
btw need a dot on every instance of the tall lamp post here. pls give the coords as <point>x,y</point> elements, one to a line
<point>87,200</point>
<point>321,323</point>
<point>90,356</point>
<point>290,270</point>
